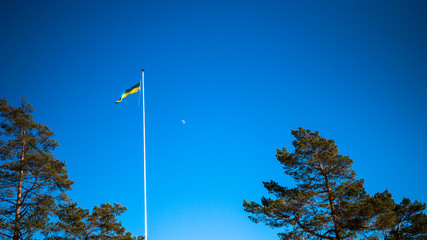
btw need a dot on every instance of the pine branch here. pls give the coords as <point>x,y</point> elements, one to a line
<point>7,200</point>
<point>29,190</point>
<point>4,234</point>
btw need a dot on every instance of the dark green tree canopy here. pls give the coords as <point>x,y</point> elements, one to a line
<point>78,224</point>
<point>327,202</point>
<point>410,221</point>
<point>32,180</point>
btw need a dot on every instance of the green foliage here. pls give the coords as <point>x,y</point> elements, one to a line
<point>33,184</point>
<point>410,222</point>
<point>32,180</point>
<point>328,202</point>
<point>77,223</point>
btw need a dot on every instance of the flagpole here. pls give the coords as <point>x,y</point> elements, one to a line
<point>145,166</point>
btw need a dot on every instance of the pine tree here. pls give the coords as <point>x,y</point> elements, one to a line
<point>78,224</point>
<point>328,202</point>
<point>32,180</point>
<point>410,221</point>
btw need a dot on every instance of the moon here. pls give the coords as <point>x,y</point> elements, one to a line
<point>183,121</point>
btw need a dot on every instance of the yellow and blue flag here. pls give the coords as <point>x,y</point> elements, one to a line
<point>129,91</point>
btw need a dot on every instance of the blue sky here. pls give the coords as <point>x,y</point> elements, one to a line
<point>241,74</point>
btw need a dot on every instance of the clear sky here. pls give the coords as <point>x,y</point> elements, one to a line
<point>241,74</point>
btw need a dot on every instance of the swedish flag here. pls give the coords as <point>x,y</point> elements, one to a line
<point>129,91</point>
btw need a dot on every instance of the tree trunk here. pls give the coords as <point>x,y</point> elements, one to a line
<point>333,211</point>
<point>398,231</point>
<point>17,227</point>
<point>337,226</point>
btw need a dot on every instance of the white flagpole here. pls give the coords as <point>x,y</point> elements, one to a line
<point>145,172</point>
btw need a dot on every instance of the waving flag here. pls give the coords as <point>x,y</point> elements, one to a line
<point>129,91</point>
